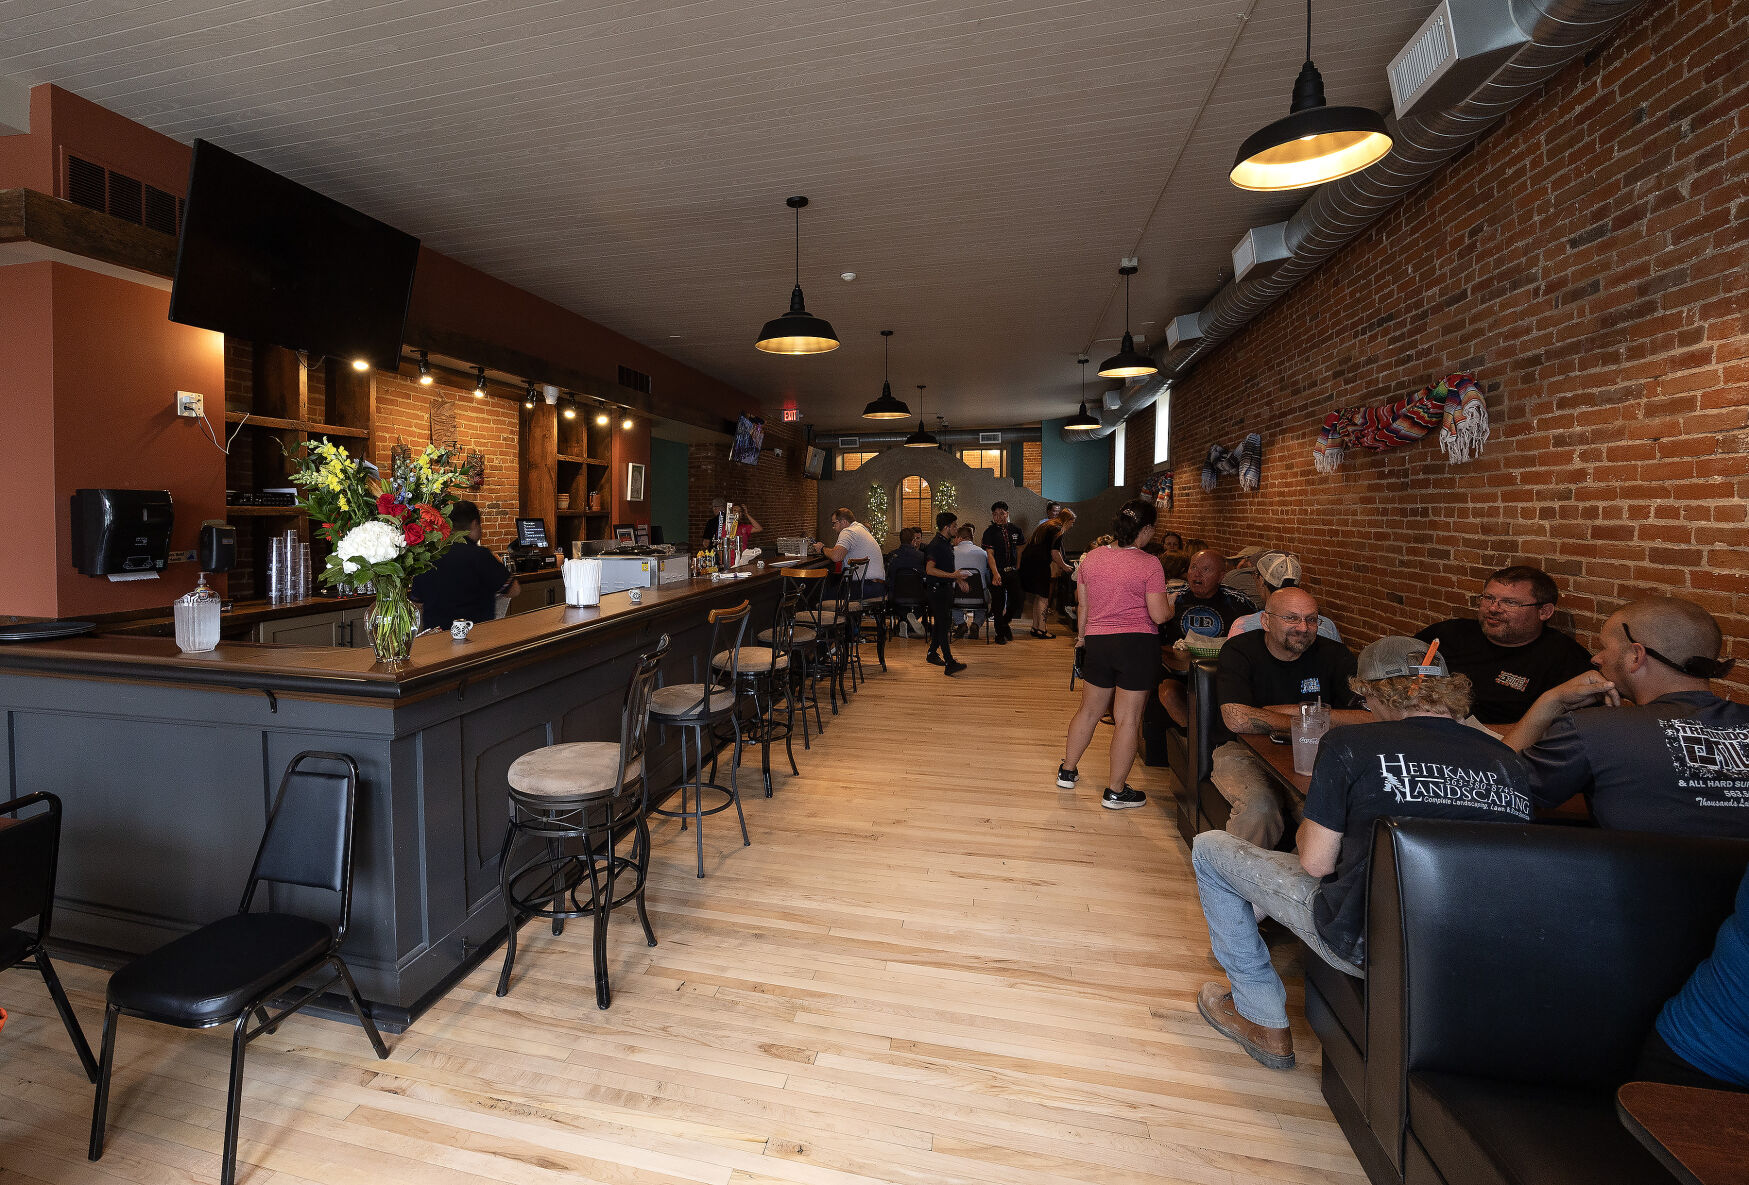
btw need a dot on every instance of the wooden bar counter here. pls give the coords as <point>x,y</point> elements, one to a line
<point>166,764</point>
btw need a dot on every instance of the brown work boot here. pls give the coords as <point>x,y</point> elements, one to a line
<point>1271,1047</point>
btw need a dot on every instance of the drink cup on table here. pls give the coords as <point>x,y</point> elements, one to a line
<point>1306,733</point>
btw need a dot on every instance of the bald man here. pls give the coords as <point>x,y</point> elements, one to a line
<point>1206,606</point>
<point>1643,737</point>
<point>1261,677</point>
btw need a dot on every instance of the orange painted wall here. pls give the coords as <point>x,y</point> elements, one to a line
<point>27,578</point>
<point>118,363</point>
<point>61,121</point>
<point>631,446</point>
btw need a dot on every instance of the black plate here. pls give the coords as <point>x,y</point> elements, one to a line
<point>42,631</point>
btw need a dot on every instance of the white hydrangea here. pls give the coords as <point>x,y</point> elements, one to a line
<point>374,542</point>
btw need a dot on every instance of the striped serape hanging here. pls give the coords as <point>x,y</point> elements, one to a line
<point>1454,404</point>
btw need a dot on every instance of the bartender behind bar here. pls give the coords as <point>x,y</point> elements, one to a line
<point>467,578</point>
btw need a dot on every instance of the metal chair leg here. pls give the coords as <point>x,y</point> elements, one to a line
<point>697,798</point>
<point>734,783</point>
<point>510,912</point>
<point>643,829</point>
<point>59,995</point>
<point>603,906</point>
<point>106,1062</point>
<point>358,1009</point>
<point>234,1101</point>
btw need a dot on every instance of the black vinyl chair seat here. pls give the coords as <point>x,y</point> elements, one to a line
<point>14,945</point>
<point>1482,1131</point>
<point>207,977</point>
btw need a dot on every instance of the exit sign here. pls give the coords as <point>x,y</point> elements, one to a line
<point>791,415</point>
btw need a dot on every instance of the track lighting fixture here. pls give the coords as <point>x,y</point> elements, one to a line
<point>479,382</point>
<point>625,425</point>
<point>797,331</point>
<point>570,411</point>
<point>360,364</point>
<point>1313,143</point>
<point>1126,363</point>
<point>886,407</point>
<point>602,419</point>
<point>530,393</point>
<point>425,379</point>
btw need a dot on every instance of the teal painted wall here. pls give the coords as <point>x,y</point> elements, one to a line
<point>668,488</point>
<point>1074,472</point>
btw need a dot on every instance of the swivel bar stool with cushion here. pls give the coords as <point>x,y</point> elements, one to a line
<point>861,606</point>
<point>576,793</point>
<point>804,587</point>
<point>29,850</point>
<point>696,708</point>
<point>230,970</point>
<point>762,672</point>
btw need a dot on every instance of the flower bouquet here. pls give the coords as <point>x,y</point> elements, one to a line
<point>383,533</point>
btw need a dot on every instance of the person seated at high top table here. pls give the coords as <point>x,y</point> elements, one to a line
<point>855,543</point>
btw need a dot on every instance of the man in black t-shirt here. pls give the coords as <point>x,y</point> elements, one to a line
<point>1676,759</point>
<point>942,577</point>
<point>1508,650</point>
<point>1003,540</point>
<point>466,580</point>
<point>1416,760</point>
<point>1284,663</point>
<point>1206,607</point>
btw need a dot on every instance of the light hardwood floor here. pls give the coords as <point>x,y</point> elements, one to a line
<point>931,966</point>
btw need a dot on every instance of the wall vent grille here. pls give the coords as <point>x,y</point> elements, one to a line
<point>97,188</point>
<point>1422,62</point>
<point>637,380</point>
<point>989,438</point>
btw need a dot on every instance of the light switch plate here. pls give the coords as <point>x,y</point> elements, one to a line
<point>190,403</point>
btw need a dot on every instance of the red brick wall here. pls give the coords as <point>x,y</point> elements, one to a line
<point>785,502</point>
<point>488,426</point>
<point>1033,466</point>
<point>1589,261</point>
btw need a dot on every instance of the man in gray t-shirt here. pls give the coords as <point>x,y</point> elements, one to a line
<point>1675,759</point>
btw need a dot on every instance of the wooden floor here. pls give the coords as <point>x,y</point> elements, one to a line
<point>931,966</point>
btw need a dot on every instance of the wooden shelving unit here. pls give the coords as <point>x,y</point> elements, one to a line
<point>570,457</point>
<point>275,426</point>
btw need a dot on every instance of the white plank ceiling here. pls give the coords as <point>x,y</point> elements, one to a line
<point>981,165</point>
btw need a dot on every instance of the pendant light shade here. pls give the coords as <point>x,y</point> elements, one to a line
<point>886,407</point>
<point>1313,143</point>
<point>922,438</point>
<point>797,331</point>
<point>1127,363</point>
<point>1081,421</point>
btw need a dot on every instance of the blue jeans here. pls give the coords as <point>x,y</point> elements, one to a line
<point>1232,877</point>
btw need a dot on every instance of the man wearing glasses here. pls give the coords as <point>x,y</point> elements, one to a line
<point>1507,650</point>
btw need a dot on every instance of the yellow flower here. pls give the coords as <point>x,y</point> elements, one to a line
<point>343,503</point>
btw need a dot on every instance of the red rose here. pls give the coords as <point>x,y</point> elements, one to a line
<point>414,534</point>
<point>386,505</point>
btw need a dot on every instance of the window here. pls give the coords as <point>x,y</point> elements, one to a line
<point>993,459</point>
<point>1163,426</point>
<point>1117,439</point>
<point>916,507</point>
<point>849,461</point>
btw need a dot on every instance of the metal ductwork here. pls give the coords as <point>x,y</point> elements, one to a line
<point>1134,400</point>
<point>988,437</point>
<point>1508,47</point>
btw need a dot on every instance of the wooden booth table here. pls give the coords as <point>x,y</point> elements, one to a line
<point>166,764</point>
<point>1702,1136</point>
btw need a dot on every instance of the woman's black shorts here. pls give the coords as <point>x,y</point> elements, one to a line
<point>1129,662</point>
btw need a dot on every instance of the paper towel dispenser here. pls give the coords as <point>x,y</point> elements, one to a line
<point>121,530</point>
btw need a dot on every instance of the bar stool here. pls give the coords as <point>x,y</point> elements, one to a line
<point>831,622</point>
<point>697,708</point>
<point>760,671</point>
<point>576,791</point>
<point>807,641</point>
<point>858,603</point>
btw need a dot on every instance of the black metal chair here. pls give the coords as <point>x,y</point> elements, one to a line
<point>697,708</point>
<point>230,970</point>
<point>807,643</point>
<point>976,601</point>
<point>29,853</point>
<point>829,618</point>
<point>576,791</point>
<point>761,671</point>
<point>867,607</point>
<point>908,595</point>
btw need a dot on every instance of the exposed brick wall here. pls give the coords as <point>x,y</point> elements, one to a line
<point>785,502</point>
<point>488,426</point>
<point>1589,261</point>
<point>1032,474</point>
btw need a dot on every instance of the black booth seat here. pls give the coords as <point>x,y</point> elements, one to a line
<point>1513,974</point>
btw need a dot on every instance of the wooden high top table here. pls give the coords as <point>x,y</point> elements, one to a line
<point>1702,1136</point>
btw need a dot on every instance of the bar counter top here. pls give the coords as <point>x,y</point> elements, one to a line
<point>437,659</point>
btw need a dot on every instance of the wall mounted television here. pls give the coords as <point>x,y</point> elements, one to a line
<point>266,259</point>
<point>749,438</point>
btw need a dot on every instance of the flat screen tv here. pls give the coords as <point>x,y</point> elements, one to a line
<point>816,463</point>
<point>264,258</point>
<point>749,436</point>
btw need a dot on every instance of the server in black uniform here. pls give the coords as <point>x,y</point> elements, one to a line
<point>467,578</point>
<point>942,577</point>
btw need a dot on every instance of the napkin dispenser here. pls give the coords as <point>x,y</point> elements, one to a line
<point>117,531</point>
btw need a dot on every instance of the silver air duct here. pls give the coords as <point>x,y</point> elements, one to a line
<point>852,441</point>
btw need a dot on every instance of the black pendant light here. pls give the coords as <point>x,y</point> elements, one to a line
<point>1313,143</point>
<point>922,438</point>
<point>1081,421</point>
<point>1126,363</point>
<point>797,331</point>
<point>886,407</point>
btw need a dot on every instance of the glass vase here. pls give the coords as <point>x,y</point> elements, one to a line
<point>391,622</point>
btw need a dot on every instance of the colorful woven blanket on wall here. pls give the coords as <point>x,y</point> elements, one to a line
<point>1454,404</point>
<point>1158,490</point>
<point>1244,458</point>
